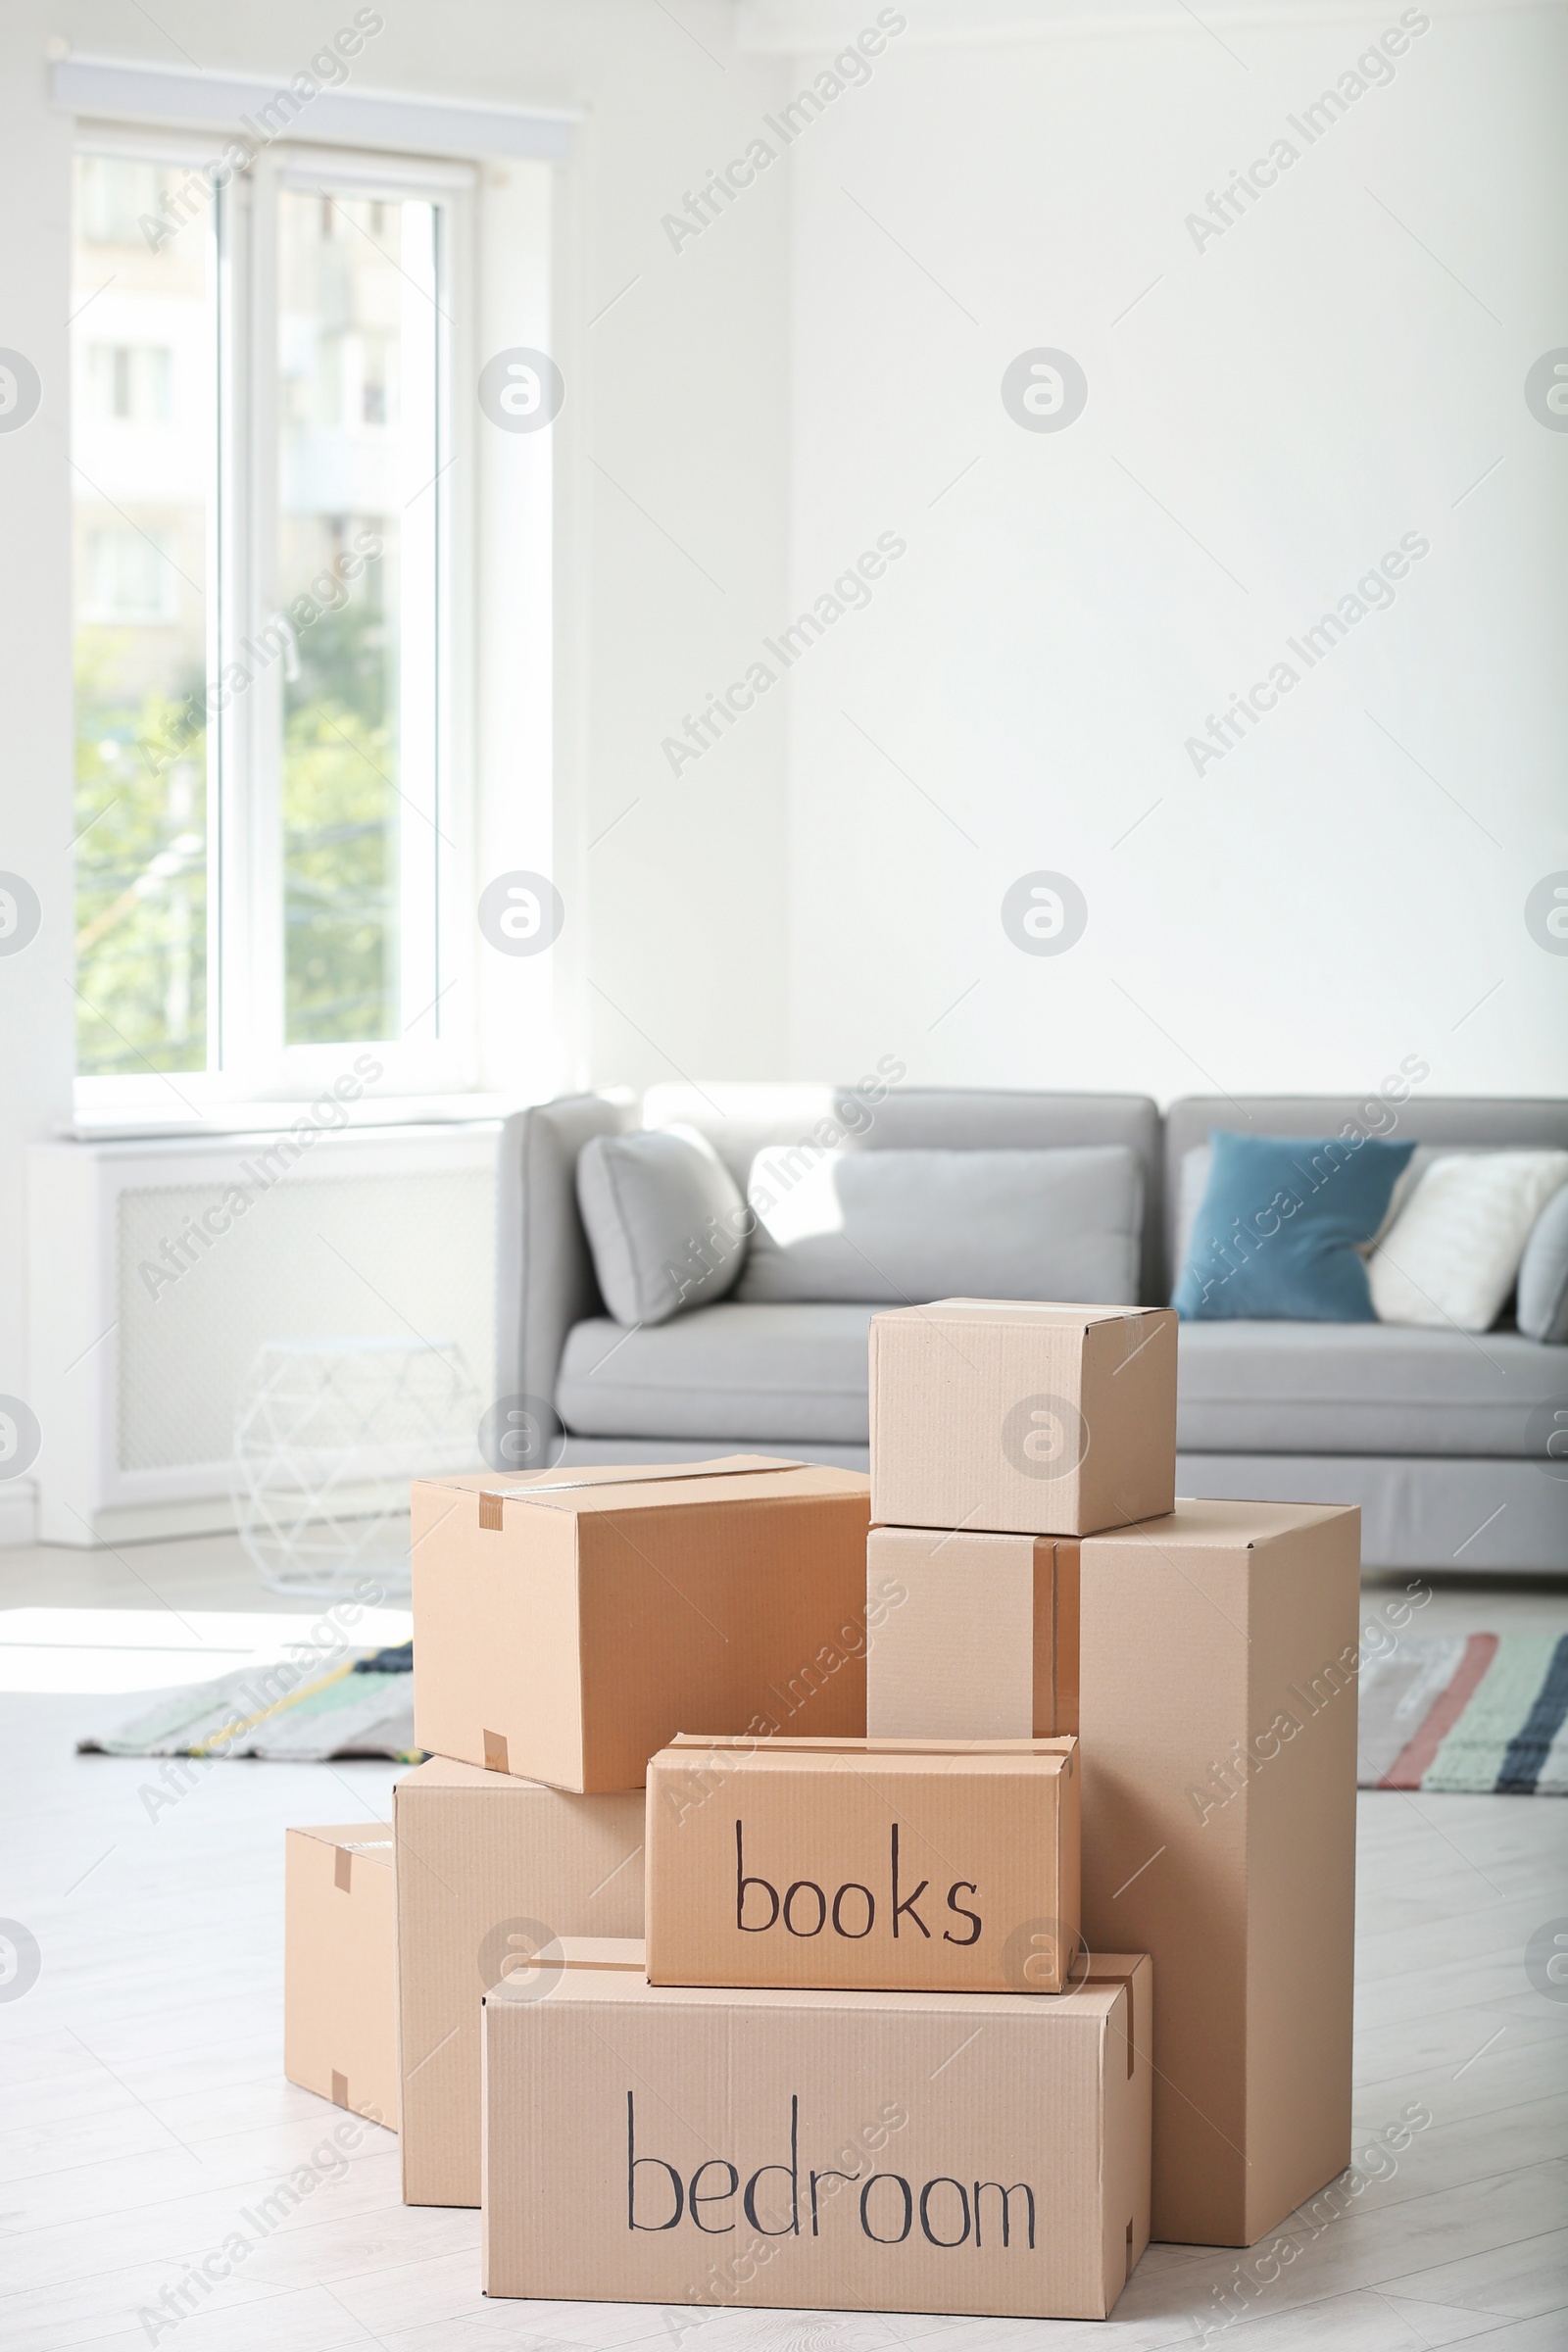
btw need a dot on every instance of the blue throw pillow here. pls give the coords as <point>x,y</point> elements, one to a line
<point>1279,1224</point>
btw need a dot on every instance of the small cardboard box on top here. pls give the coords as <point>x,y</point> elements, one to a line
<point>339,2014</point>
<point>1022,1418</point>
<point>853,1864</point>
<point>491,1873</point>
<point>1215,1700</point>
<point>572,1621</point>
<point>843,2151</point>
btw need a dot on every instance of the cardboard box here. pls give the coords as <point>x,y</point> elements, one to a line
<point>975,1636</point>
<point>491,1872</point>
<point>868,2151</point>
<point>339,2013</point>
<point>570,1624</point>
<point>924,1866</point>
<point>1216,1706</point>
<point>1023,1419</point>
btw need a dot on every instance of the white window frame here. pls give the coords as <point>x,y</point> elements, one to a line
<point>248,1059</point>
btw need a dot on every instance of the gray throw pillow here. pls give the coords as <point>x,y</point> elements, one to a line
<point>665,1221</point>
<point>895,1227</point>
<point>1542,1311</point>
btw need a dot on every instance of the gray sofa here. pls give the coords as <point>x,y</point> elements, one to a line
<point>1438,1434</point>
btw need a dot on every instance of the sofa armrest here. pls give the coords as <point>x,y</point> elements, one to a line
<point>545,1280</point>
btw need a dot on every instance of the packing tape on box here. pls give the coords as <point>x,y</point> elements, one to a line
<point>644,1474</point>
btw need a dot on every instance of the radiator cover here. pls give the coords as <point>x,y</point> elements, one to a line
<point>158,1269</point>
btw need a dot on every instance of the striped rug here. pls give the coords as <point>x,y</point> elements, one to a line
<point>298,1711</point>
<point>1468,1714</point>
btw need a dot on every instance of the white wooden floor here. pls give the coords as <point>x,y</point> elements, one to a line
<point>143,2109</point>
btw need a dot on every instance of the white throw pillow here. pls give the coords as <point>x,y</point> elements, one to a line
<point>1452,1254</point>
<point>664,1220</point>
<point>1192,1183</point>
<point>892,1228</point>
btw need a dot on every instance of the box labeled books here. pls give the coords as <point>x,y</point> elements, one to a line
<point>857,1864</point>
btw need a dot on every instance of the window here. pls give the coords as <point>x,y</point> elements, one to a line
<point>143,473</point>
<point>356,422</point>
<point>270,820</point>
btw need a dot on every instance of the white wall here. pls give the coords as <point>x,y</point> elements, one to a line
<point>37,1010</point>
<point>1270,418</point>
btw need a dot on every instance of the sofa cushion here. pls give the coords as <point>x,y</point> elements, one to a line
<point>881,1113</point>
<point>1365,1387</point>
<point>663,1220</point>
<point>786,1375</point>
<point>892,1228</point>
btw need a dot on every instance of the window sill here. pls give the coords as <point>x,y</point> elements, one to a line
<point>90,1125</point>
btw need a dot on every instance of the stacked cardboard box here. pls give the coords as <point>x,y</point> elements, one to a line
<point>856,2151</point>
<point>1022,1490</point>
<point>566,1625</point>
<point>846,2065</point>
<point>874,1935</point>
<point>340,2028</point>
<point>933,1825</point>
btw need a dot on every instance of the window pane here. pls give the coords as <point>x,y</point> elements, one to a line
<point>143,422</point>
<point>356,347</point>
